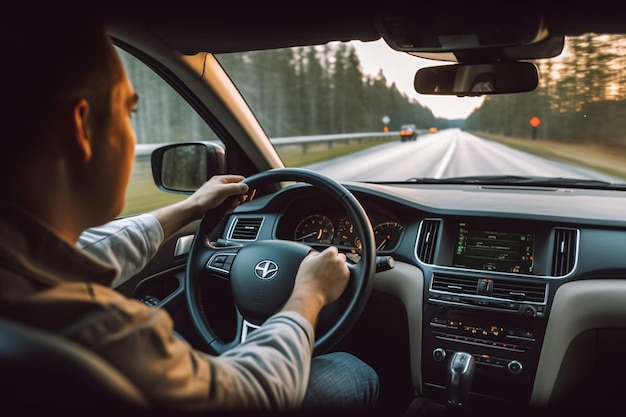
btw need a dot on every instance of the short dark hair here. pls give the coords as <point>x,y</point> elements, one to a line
<point>48,60</point>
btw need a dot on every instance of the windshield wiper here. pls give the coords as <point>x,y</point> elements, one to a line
<point>520,180</point>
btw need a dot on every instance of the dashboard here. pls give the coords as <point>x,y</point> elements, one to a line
<point>511,275</point>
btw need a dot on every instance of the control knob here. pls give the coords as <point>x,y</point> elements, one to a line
<point>514,367</point>
<point>529,311</point>
<point>439,354</point>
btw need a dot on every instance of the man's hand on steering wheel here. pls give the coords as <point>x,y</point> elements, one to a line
<point>321,279</point>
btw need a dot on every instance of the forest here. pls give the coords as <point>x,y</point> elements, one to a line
<point>323,90</point>
<point>323,86</point>
<point>581,97</point>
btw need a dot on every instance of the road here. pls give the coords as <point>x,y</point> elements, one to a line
<point>448,153</point>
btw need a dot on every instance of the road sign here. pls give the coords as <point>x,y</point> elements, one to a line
<point>386,120</point>
<point>535,121</point>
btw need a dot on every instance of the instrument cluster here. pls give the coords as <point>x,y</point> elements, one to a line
<point>315,219</point>
<point>339,231</point>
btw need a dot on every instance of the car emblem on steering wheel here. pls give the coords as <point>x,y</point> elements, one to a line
<point>266,269</point>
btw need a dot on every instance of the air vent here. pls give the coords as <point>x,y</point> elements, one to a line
<point>488,287</point>
<point>463,285</point>
<point>427,241</point>
<point>520,291</point>
<point>564,255</point>
<point>246,228</point>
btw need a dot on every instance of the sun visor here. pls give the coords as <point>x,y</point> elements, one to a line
<point>448,31</point>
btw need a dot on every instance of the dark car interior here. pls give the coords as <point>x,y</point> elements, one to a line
<point>523,363</point>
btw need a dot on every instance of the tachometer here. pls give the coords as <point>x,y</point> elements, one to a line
<point>315,228</point>
<point>387,235</point>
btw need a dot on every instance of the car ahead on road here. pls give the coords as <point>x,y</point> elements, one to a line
<point>487,258</point>
<point>408,133</point>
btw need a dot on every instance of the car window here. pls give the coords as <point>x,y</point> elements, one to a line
<point>339,108</point>
<point>162,116</point>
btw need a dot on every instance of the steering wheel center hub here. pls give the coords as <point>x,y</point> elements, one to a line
<point>263,275</point>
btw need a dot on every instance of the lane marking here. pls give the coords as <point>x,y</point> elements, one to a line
<point>445,161</point>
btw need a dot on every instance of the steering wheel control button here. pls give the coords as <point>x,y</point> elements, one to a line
<point>218,261</point>
<point>150,300</point>
<point>221,262</point>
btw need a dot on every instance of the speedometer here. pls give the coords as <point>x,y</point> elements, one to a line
<point>387,235</point>
<point>315,228</point>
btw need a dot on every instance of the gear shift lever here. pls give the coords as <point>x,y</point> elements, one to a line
<point>460,373</point>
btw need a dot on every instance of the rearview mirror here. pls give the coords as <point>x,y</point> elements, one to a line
<point>183,167</point>
<point>477,79</point>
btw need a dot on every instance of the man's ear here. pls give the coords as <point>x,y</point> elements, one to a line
<point>82,135</point>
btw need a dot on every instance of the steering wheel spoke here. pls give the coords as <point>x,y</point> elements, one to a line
<point>246,329</point>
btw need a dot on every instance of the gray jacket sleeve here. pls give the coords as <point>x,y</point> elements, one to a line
<point>127,243</point>
<point>271,368</point>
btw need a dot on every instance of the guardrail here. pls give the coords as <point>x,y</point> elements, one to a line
<point>145,149</point>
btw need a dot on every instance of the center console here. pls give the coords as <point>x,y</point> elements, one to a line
<point>505,347</point>
<point>487,295</point>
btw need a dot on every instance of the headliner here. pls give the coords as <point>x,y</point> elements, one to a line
<point>235,26</point>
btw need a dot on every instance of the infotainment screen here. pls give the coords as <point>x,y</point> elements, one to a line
<point>494,250</point>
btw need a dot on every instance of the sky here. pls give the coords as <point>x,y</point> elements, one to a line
<point>400,68</point>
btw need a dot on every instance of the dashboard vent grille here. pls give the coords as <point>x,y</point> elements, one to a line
<point>246,228</point>
<point>564,256</point>
<point>488,287</point>
<point>526,291</point>
<point>464,285</point>
<point>427,241</point>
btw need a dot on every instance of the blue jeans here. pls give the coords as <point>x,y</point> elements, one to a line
<point>341,380</point>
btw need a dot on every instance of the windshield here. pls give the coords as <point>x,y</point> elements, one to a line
<point>340,108</point>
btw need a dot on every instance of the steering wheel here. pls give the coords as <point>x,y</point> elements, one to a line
<point>262,273</point>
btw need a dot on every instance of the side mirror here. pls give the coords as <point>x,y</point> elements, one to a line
<point>183,167</point>
<point>477,79</point>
